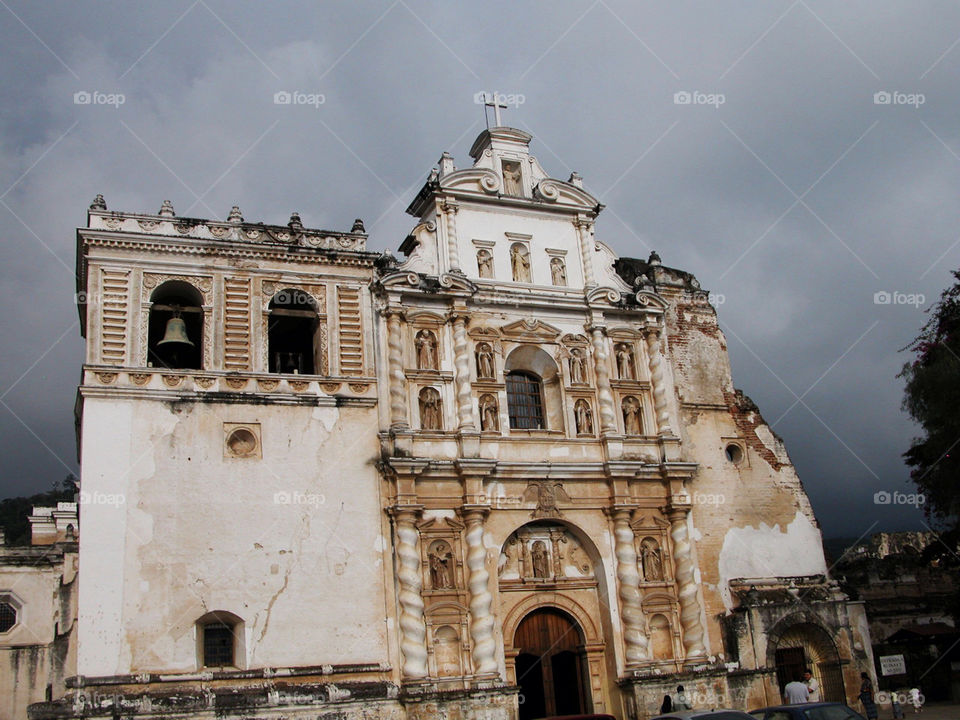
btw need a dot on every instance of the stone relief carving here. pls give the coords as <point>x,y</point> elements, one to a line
<point>546,493</point>
<point>520,262</point>
<point>543,552</point>
<point>484,264</point>
<point>441,567</point>
<point>625,364</point>
<point>558,271</point>
<point>651,560</point>
<point>489,413</point>
<point>426,343</point>
<point>485,366</point>
<point>431,417</point>
<point>583,417</point>
<point>632,423</point>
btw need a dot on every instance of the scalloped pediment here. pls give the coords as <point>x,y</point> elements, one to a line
<point>601,295</point>
<point>484,332</point>
<point>572,339</point>
<point>455,281</point>
<point>400,279</point>
<point>530,328</point>
<point>651,300</point>
<point>649,522</point>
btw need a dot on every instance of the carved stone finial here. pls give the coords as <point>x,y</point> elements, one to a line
<point>235,215</point>
<point>434,175</point>
<point>295,223</point>
<point>654,259</point>
<point>98,203</point>
<point>358,226</point>
<point>446,164</point>
<point>166,210</point>
<point>576,179</point>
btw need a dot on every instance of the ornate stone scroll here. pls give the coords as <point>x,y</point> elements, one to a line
<point>637,644</point>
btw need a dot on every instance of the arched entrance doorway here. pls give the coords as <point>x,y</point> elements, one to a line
<point>806,645</point>
<point>551,665</point>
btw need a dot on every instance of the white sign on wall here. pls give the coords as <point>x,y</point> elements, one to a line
<point>892,665</point>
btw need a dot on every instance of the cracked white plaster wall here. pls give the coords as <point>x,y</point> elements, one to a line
<point>765,551</point>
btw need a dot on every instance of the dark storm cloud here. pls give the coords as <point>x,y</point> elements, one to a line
<point>797,199</point>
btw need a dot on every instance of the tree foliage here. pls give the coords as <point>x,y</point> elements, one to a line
<point>15,511</point>
<point>932,398</point>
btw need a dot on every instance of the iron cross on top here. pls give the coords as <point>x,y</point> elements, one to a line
<point>493,101</point>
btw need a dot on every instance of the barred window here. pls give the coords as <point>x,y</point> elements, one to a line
<point>217,645</point>
<point>525,401</point>
<point>8,615</point>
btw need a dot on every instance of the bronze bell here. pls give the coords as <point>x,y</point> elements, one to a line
<point>176,332</point>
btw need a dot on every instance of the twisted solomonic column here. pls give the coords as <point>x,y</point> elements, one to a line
<point>608,418</point>
<point>398,403</point>
<point>481,616</point>
<point>450,208</point>
<point>657,383</point>
<point>687,586</point>
<point>461,365</point>
<point>413,629</point>
<point>586,254</point>
<point>637,645</point>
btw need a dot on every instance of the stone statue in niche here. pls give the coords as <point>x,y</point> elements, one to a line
<point>631,416</point>
<point>430,415</point>
<point>484,264</point>
<point>512,178</point>
<point>508,558</point>
<point>441,567</point>
<point>489,416</point>
<point>558,271</point>
<point>426,350</point>
<point>624,361</point>
<point>540,560</point>
<point>520,263</point>
<point>583,417</point>
<point>485,361</point>
<point>651,558</point>
<point>578,367</point>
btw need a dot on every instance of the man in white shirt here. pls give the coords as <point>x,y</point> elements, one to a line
<point>813,687</point>
<point>796,692</point>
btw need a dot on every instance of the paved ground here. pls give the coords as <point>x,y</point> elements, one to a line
<point>931,711</point>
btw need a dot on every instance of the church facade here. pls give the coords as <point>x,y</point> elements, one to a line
<point>504,475</point>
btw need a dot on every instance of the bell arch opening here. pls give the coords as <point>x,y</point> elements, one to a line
<point>293,333</point>
<point>175,327</point>
<point>534,399</point>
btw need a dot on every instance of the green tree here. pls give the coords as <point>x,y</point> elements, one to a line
<point>15,511</point>
<point>932,398</point>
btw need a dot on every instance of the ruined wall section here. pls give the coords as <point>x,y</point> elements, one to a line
<point>751,515</point>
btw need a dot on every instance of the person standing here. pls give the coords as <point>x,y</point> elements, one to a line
<point>866,697</point>
<point>681,702</point>
<point>916,699</point>
<point>813,687</point>
<point>796,691</point>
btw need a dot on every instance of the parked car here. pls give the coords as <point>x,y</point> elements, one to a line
<point>717,714</point>
<point>807,711</point>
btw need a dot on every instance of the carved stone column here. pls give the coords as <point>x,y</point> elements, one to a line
<point>657,382</point>
<point>481,601</point>
<point>689,596</point>
<point>398,401</point>
<point>461,365</point>
<point>586,251</point>
<point>413,628</point>
<point>450,208</point>
<point>608,418</point>
<point>631,612</point>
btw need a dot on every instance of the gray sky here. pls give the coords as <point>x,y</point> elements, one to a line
<point>796,200</point>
